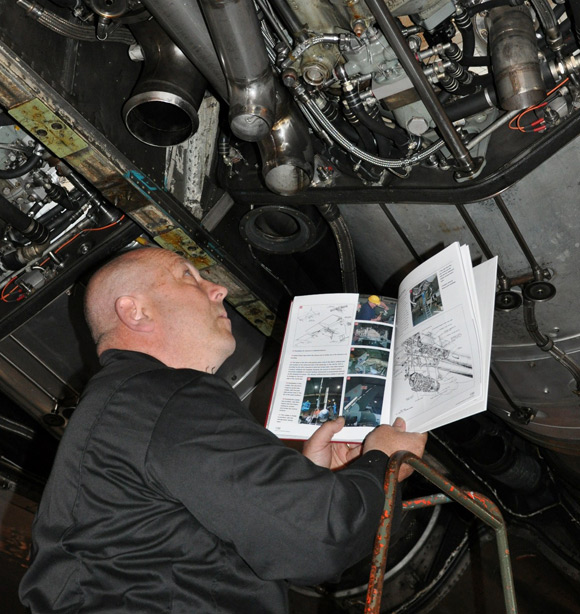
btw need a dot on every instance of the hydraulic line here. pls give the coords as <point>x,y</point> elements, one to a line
<point>399,45</point>
<point>546,344</point>
<point>465,26</point>
<point>289,17</point>
<point>302,47</point>
<point>498,123</point>
<point>355,105</point>
<point>326,129</point>
<point>29,228</point>
<point>12,173</point>
<point>71,30</point>
<point>499,201</point>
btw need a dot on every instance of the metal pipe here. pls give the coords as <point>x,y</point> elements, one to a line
<point>499,201</point>
<point>235,29</point>
<point>546,344</point>
<point>514,57</point>
<point>397,41</point>
<point>479,239</point>
<point>184,23</point>
<point>162,109</point>
<point>286,152</point>
<point>498,123</point>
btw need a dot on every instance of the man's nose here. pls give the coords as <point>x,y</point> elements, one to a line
<point>217,292</point>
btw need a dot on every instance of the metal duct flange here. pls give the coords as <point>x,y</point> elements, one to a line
<point>162,110</point>
<point>160,119</point>
<point>279,229</point>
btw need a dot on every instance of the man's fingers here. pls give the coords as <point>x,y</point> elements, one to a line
<point>400,424</point>
<point>326,431</point>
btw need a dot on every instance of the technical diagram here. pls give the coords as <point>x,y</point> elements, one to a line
<point>427,364</point>
<point>328,324</point>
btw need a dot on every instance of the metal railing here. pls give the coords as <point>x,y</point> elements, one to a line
<point>482,507</point>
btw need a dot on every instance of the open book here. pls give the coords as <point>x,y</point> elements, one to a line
<point>424,357</point>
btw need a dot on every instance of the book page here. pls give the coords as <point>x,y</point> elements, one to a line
<point>438,348</point>
<point>335,361</point>
<point>485,276</point>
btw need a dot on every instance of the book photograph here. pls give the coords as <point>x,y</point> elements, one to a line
<point>369,358</point>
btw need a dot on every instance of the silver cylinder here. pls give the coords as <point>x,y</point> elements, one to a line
<point>162,109</point>
<point>287,153</point>
<point>514,58</point>
<point>184,23</point>
<point>236,33</point>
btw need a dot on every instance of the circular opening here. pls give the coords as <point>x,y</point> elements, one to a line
<point>159,123</point>
<point>277,225</point>
<point>279,229</point>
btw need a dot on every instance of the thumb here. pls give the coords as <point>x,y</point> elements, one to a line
<point>400,425</point>
<point>327,430</point>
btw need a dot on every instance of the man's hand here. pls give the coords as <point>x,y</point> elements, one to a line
<point>391,439</point>
<point>326,453</point>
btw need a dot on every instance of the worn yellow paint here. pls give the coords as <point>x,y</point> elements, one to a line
<point>48,128</point>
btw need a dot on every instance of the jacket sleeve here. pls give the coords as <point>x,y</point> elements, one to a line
<point>285,516</point>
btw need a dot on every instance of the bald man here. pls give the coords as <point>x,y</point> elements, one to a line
<point>166,495</point>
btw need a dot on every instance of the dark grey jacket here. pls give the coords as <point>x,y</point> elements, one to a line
<point>167,496</point>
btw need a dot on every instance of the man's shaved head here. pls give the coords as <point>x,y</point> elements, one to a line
<point>124,275</point>
<point>153,301</point>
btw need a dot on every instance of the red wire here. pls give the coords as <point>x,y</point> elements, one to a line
<point>4,296</point>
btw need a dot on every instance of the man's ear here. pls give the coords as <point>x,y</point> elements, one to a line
<point>130,310</point>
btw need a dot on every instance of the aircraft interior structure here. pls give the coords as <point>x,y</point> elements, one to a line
<point>291,147</point>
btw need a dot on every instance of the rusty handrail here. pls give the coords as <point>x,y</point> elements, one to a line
<point>485,509</point>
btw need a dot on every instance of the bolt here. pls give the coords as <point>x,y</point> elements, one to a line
<point>358,27</point>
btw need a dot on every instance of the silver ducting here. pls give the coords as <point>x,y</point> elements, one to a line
<point>184,23</point>
<point>514,57</point>
<point>236,33</point>
<point>162,110</point>
<point>287,153</point>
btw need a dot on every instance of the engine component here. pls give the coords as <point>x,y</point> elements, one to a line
<point>162,110</point>
<point>252,95</point>
<point>287,152</point>
<point>514,56</point>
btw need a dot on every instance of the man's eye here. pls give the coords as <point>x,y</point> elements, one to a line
<point>188,272</point>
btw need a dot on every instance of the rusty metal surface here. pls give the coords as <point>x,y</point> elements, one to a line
<point>480,505</point>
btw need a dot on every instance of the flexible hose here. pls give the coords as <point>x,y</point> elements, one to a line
<point>29,228</point>
<point>63,27</point>
<point>12,173</point>
<point>398,136</point>
<point>463,22</point>
<point>315,112</point>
